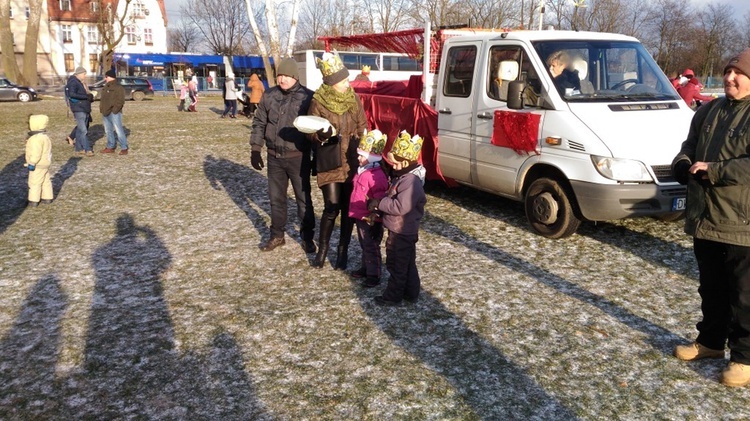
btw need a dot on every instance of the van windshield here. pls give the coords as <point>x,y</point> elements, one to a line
<point>592,71</point>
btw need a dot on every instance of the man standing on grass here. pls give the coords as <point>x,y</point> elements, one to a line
<point>112,101</point>
<point>288,153</point>
<point>79,99</point>
<point>715,165</point>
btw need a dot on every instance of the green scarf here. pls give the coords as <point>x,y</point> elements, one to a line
<point>335,101</point>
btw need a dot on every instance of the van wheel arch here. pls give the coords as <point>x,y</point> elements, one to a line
<point>550,205</point>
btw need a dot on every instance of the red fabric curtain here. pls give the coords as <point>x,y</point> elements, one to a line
<point>517,130</point>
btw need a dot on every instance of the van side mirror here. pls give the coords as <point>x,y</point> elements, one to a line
<point>515,94</point>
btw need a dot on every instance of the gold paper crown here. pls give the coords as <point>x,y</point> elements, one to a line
<point>365,69</point>
<point>330,63</point>
<point>373,142</point>
<point>407,147</point>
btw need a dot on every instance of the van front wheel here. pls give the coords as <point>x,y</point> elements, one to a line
<point>549,209</point>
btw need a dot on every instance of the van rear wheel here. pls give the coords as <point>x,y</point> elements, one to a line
<point>549,209</point>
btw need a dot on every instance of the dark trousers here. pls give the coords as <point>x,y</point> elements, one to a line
<point>282,172</point>
<point>401,261</point>
<point>230,107</point>
<point>725,297</point>
<point>370,238</point>
<point>336,198</point>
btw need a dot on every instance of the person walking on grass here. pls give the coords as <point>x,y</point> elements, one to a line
<point>288,154</point>
<point>79,99</point>
<point>229,92</point>
<point>110,105</point>
<point>715,165</point>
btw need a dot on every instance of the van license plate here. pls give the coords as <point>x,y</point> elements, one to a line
<point>678,204</point>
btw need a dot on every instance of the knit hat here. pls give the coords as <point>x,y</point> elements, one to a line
<point>79,70</point>
<point>740,62</point>
<point>111,73</point>
<point>406,147</point>
<point>38,122</point>
<point>288,67</point>
<point>332,68</point>
<point>371,145</point>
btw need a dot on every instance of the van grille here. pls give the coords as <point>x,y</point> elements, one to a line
<point>663,173</point>
<point>576,146</point>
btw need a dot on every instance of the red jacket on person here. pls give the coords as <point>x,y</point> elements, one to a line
<point>691,92</point>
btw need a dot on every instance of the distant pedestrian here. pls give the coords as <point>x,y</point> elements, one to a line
<point>183,96</point>
<point>690,91</point>
<point>714,163</point>
<point>79,99</point>
<point>402,209</point>
<point>193,93</point>
<point>38,160</point>
<point>111,103</point>
<point>229,92</point>
<point>370,182</point>
<point>256,88</point>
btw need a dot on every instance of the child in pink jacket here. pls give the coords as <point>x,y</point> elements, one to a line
<point>370,182</point>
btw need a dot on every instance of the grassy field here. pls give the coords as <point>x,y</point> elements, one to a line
<point>140,293</point>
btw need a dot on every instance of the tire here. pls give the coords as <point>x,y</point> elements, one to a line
<point>549,210</point>
<point>24,96</point>
<point>138,96</point>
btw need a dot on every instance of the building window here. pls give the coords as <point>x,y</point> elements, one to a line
<point>94,6</point>
<point>94,63</point>
<point>67,34</point>
<point>64,5</point>
<point>148,36</point>
<point>130,34</point>
<point>70,63</point>
<point>10,12</point>
<point>139,11</point>
<point>28,13</point>
<point>93,35</point>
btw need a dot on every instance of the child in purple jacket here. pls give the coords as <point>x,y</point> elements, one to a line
<point>370,182</point>
<point>402,209</point>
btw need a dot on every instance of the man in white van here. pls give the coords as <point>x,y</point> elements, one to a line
<point>714,162</point>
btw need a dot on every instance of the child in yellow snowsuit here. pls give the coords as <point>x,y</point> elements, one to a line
<point>38,160</point>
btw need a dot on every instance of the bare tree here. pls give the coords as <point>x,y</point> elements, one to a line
<point>715,33</point>
<point>183,36</point>
<point>7,44</point>
<point>493,14</point>
<point>388,15</point>
<point>112,27</point>
<point>220,22</point>
<point>439,12</point>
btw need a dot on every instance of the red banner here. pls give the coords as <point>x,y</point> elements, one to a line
<point>518,130</point>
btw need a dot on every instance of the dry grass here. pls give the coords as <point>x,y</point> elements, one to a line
<point>140,293</point>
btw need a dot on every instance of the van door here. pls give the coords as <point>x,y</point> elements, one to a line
<point>455,116</point>
<point>497,167</point>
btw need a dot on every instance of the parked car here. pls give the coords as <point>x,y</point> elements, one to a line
<point>136,88</point>
<point>9,91</point>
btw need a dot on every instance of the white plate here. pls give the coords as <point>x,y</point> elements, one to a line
<point>311,124</point>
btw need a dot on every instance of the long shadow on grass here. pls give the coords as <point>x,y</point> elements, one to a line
<point>29,353</point>
<point>245,185</point>
<point>492,385</point>
<point>648,247</point>
<point>64,173</point>
<point>131,366</point>
<point>658,337</point>
<point>13,191</point>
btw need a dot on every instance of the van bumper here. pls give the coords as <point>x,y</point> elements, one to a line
<point>601,202</point>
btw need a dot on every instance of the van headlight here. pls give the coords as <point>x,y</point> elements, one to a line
<point>621,169</point>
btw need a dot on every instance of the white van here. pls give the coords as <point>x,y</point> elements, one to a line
<point>598,150</point>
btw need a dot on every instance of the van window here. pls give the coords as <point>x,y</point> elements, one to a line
<point>502,71</point>
<point>459,76</point>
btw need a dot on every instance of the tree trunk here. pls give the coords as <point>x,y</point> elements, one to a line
<point>10,66</point>
<point>30,73</point>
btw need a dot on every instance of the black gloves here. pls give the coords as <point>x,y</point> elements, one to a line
<point>372,204</point>
<point>91,97</point>
<point>322,136</point>
<point>681,171</point>
<point>255,160</point>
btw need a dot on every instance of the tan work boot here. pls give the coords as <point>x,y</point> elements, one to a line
<point>696,351</point>
<point>736,375</point>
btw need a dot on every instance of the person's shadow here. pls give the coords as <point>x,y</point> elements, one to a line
<point>64,173</point>
<point>13,191</point>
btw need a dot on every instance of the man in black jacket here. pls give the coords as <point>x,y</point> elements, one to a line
<point>80,99</point>
<point>112,101</point>
<point>288,153</point>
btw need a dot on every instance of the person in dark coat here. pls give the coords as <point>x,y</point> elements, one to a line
<point>111,104</point>
<point>80,99</point>
<point>288,153</point>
